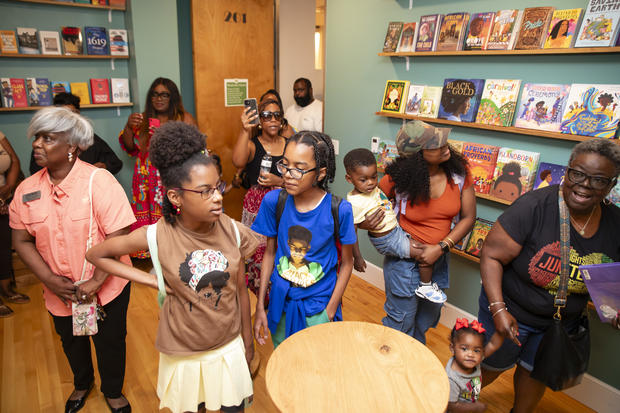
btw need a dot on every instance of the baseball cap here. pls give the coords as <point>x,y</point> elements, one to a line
<point>416,135</point>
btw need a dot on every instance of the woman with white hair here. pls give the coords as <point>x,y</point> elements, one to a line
<point>55,213</point>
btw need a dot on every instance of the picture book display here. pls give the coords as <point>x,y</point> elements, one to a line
<point>97,41</point>
<point>60,87</point>
<point>515,172</point>
<point>100,91</point>
<point>480,27</point>
<point>549,174</point>
<point>7,93</point>
<point>603,285</point>
<point>561,33</point>
<point>414,100</point>
<point>118,42</point>
<point>8,42</point>
<point>463,242</point>
<point>498,102</point>
<point>408,37</point>
<point>27,40</point>
<point>430,101</point>
<point>482,159</point>
<point>392,37</point>
<point>428,33</point>
<point>460,99</point>
<point>478,234</point>
<point>50,42</point>
<point>541,106</point>
<point>534,27</point>
<point>452,31</point>
<point>394,96</point>
<point>599,27</point>
<point>592,110</point>
<point>39,93</point>
<point>120,90</point>
<point>385,152</point>
<point>18,87</point>
<point>71,40</point>
<point>80,89</point>
<point>506,25</point>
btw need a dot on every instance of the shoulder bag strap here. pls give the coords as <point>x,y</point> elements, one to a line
<point>280,206</point>
<point>151,237</point>
<point>237,236</point>
<point>89,241</point>
<point>335,211</point>
<point>560,296</point>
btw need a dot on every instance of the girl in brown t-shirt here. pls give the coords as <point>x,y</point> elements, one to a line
<point>204,334</point>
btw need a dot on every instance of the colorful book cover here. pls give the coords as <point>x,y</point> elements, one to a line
<point>515,172</point>
<point>564,23</point>
<point>600,24</point>
<point>385,152</point>
<point>118,42</point>
<point>96,41</point>
<point>408,37</point>
<point>392,36</point>
<point>463,242</point>
<point>452,31</point>
<point>430,101</point>
<point>394,96</point>
<point>18,86</point>
<point>80,89</point>
<point>481,159</point>
<point>479,30</point>
<point>60,87</point>
<point>50,42</point>
<point>100,2</point>
<point>32,92</point>
<point>505,29</point>
<point>71,40</point>
<point>8,42</point>
<point>117,3</point>
<point>614,195</point>
<point>427,33</point>
<point>456,145</point>
<point>592,110</point>
<point>534,27</point>
<point>603,285</point>
<point>460,99</point>
<point>541,106</point>
<point>549,174</point>
<point>100,90</point>
<point>478,234</point>
<point>27,40</point>
<point>44,91</point>
<point>120,90</point>
<point>7,93</point>
<point>498,102</point>
<point>414,100</point>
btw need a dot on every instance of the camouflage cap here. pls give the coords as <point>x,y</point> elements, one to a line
<point>416,135</point>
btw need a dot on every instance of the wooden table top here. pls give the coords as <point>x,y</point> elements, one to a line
<point>354,366</point>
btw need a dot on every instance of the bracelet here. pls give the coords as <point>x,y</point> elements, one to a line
<point>499,311</point>
<point>450,242</point>
<point>444,246</point>
<point>495,303</point>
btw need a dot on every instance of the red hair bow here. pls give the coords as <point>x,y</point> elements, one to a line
<point>474,325</point>
<point>461,323</point>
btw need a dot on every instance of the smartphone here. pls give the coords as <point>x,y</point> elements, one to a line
<point>251,103</point>
<point>154,123</point>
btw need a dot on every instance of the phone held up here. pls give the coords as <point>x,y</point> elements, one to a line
<point>154,123</point>
<point>251,104</point>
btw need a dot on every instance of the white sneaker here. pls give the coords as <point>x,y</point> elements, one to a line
<point>431,293</point>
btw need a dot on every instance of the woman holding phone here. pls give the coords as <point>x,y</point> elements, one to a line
<point>163,104</point>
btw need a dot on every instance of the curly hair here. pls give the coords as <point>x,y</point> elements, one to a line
<point>324,156</point>
<point>176,111</point>
<point>511,172</point>
<point>410,174</point>
<point>603,147</point>
<point>175,149</point>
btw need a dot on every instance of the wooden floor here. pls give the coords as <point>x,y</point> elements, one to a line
<point>35,376</point>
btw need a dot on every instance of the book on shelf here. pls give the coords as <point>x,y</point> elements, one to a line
<point>456,144</point>
<point>481,159</point>
<point>603,285</point>
<point>549,174</point>
<point>506,25</point>
<point>452,31</point>
<point>562,29</point>
<point>50,42</point>
<point>498,102</point>
<point>541,106</point>
<point>385,152</point>
<point>60,86</point>
<point>599,27</point>
<point>392,36</point>
<point>479,30</point>
<point>430,101</point>
<point>71,40</point>
<point>18,87</point>
<point>117,3</point>
<point>8,42</point>
<point>460,245</point>
<point>460,99</point>
<point>80,89</point>
<point>414,100</point>
<point>27,40</point>
<point>408,36</point>
<point>592,110</point>
<point>7,93</point>
<point>39,92</point>
<point>32,92</point>
<point>82,1</point>
<point>96,41</point>
<point>120,90</point>
<point>534,27</point>
<point>118,42</point>
<point>394,96</point>
<point>100,90</point>
<point>478,234</point>
<point>515,172</point>
<point>428,33</point>
<point>614,195</point>
<point>100,2</point>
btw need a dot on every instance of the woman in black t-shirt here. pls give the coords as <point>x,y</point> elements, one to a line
<point>520,262</point>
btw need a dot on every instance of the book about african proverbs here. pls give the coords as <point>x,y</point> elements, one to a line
<point>498,102</point>
<point>414,100</point>
<point>428,33</point>
<point>479,30</point>
<point>452,31</point>
<point>430,101</point>
<point>600,24</point>
<point>561,33</point>
<point>603,286</point>
<point>394,96</point>
<point>478,235</point>
<point>542,106</point>
<point>393,35</point>
<point>482,159</point>
<point>534,27</point>
<point>549,174</point>
<point>515,172</point>
<point>408,37</point>
<point>460,99</point>
<point>592,110</point>
<point>506,25</point>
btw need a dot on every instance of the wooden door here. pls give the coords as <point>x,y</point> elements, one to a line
<point>232,39</point>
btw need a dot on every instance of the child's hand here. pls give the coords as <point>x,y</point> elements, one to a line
<point>260,322</point>
<point>359,264</point>
<point>494,344</point>
<point>373,220</point>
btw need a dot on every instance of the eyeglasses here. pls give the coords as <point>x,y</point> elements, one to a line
<point>596,182</point>
<point>266,115</point>
<point>205,194</point>
<point>296,173</point>
<point>163,95</point>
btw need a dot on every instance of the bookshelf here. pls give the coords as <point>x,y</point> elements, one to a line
<point>579,50</point>
<point>67,4</point>
<point>62,56</point>
<point>465,255</point>
<point>88,106</point>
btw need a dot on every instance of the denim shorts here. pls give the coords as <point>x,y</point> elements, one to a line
<point>394,244</point>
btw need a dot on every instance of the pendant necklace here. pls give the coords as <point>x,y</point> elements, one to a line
<point>582,230</point>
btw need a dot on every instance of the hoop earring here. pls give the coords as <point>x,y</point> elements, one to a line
<point>70,156</point>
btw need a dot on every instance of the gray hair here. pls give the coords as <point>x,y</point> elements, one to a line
<point>600,146</point>
<point>76,129</point>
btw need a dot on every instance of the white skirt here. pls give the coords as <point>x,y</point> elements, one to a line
<point>219,377</point>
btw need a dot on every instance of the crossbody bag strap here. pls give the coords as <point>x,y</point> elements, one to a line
<point>89,242</point>
<point>560,296</point>
<point>151,237</point>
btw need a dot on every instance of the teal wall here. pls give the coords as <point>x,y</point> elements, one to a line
<point>355,77</point>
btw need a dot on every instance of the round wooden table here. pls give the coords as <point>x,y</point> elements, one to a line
<point>353,366</point>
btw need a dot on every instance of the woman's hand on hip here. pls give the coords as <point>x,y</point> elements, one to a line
<point>61,286</point>
<point>506,325</point>
<point>372,221</point>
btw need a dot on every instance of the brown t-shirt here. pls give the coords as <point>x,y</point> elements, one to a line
<point>201,269</point>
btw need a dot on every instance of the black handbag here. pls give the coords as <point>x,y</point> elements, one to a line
<point>562,358</point>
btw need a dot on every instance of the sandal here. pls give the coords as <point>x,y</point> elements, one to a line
<point>15,297</point>
<point>5,311</point>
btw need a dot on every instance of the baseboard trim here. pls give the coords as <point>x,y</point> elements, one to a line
<point>592,392</point>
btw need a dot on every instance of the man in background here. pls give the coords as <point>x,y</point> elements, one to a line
<point>307,112</point>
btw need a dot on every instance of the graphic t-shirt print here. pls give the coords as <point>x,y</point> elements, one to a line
<point>205,270</point>
<point>295,268</point>
<point>471,392</point>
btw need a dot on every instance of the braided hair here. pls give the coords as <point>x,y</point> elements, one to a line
<point>324,155</point>
<point>175,149</point>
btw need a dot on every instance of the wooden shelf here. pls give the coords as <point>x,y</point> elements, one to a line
<point>88,106</point>
<point>464,255</point>
<point>492,198</point>
<point>577,50</point>
<point>504,129</point>
<point>63,56</point>
<point>61,3</point>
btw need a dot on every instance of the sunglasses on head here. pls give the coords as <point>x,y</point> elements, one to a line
<point>267,115</point>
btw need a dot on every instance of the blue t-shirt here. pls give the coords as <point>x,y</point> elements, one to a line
<point>305,268</point>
